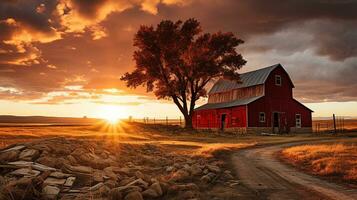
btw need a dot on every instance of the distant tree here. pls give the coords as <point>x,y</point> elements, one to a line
<point>176,61</point>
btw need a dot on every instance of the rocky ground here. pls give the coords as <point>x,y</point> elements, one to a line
<point>64,168</point>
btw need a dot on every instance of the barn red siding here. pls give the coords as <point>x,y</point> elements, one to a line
<point>289,108</point>
<point>235,117</point>
<point>275,91</point>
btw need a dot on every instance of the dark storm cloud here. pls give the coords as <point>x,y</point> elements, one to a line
<point>46,45</point>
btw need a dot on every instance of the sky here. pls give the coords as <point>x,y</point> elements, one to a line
<point>65,57</point>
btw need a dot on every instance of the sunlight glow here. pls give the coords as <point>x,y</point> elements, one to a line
<point>112,114</point>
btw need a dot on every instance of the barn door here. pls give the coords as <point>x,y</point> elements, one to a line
<point>223,121</point>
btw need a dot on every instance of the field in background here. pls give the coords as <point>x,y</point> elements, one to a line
<point>327,126</point>
<point>337,161</point>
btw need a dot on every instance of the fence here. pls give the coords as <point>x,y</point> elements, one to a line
<point>162,121</point>
<point>337,124</point>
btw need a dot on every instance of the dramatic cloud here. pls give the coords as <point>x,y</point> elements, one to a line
<point>49,46</point>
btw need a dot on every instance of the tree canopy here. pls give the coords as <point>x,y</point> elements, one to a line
<point>176,60</point>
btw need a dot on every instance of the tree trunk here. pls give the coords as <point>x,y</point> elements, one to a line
<point>188,122</point>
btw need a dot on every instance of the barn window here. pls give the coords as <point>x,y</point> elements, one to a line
<point>298,121</point>
<point>277,80</point>
<point>262,117</point>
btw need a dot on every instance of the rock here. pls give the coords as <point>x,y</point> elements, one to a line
<point>134,196</point>
<point>29,154</point>
<point>127,181</point>
<point>189,195</point>
<point>138,174</point>
<point>2,180</point>
<point>47,160</point>
<point>170,169</point>
<point>98,176</point>
<point>96,187</point>
<point>54,181</point>
<point>9,155</point>
<point>234,184</point>
<point>150,193</point>
<point>80,169</point>
<point>195,170</point>
<point>127,189</point>
<point>72,160</point>
<point>21,163</point>
<point>58,174</point>
<point>156,186</point>
<point>111,183</point>
<point>50,192</point>
<point>109,173</point>
<point>42,168</point>
<point>213,168</point>
<point>115,194</point>
<point>179,175</point>
<point>205,179</point>
<point>27,172</point>
<point>205,171</point>
<point>70,181</point>
<point>227,176</point>
<point>139,182</point>
<point>15,148</point>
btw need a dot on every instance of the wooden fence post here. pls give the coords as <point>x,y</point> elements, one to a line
<point>334,123</point>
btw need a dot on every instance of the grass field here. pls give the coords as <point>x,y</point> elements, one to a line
<point>337,161</point>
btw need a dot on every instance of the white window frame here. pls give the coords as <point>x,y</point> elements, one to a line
<point>260,115</point>
<point>298,123</point>
<point>276,80</point>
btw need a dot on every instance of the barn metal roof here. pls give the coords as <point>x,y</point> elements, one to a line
<point>238,102</point>
<point>248,79</point>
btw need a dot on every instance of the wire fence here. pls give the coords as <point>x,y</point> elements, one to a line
<point>160,121</point>
<point>336,124</point>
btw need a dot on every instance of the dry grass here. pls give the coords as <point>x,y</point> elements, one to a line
<point>337,161</point>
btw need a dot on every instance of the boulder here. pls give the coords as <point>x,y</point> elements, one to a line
<point>150,193</point>
<point>50,192</point>
<point>213,168</point>
<point>72,160</point>
<point>70,181</point>
<point>135,195</point>
<point>98,176</point>
<point>29,154</point>
<point>47,160</point>
<point>157,188</point>
<point>54,181</point>
<point>170,169</point>
<point>110,183</point>
<point>115,194</point>
<point>180,175</point>
<point>27,172</point>
<point>58,174</point>
<point>14,148</point>
<point>205,179</point>
<point>195,170</point>
<point>139,182</point>
<point>96,186</point>
<point>9,155</point>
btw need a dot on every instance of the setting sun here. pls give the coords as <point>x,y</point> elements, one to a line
<point>112,114</point>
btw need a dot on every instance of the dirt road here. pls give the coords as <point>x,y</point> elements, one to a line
<point>259,170</point>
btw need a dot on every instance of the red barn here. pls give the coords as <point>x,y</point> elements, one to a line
<point>262,102</point>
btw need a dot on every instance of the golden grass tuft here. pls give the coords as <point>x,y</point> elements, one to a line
<point>335,160</point>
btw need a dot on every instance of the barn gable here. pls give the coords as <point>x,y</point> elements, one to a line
<point>249,79</point>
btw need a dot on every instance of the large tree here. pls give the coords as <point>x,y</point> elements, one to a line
<point>176,60</point>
